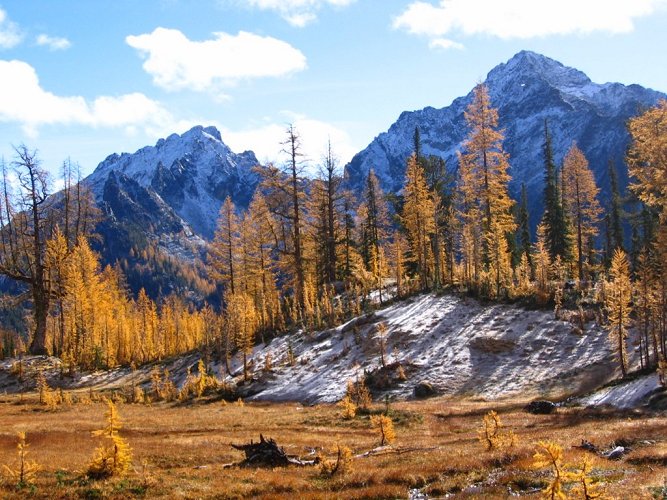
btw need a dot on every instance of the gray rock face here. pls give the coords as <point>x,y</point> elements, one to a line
<point>526,90</point>
<point>191,173</point>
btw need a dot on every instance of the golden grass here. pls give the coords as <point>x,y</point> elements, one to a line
<point>186,447</point>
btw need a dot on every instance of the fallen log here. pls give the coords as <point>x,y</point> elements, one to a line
<point>267,453</point>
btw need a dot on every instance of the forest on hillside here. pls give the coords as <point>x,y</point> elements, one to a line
<point>308,254</point>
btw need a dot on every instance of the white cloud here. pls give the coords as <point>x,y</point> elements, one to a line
<point>521,19</point>
<point>177,63</point>
<point>10,34</point>
<point>265,140</point>
<point>53,42</point>
<point>445,44</point>
<point>24,101</point>
<point>298,13</point>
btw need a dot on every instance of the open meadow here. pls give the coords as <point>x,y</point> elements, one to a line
<point>182,450</point>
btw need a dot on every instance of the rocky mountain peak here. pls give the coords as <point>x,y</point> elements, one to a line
<point>192,173</point>
<point>532,66</point>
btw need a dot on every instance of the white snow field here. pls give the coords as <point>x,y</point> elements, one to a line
<point>459,345</point>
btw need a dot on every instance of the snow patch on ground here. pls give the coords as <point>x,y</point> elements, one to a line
<point>458,345</point>
<point>626,395</point>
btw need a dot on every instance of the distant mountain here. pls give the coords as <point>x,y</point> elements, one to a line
<point>191,173</point>
<point>165,199</point>
<point>526,90</point>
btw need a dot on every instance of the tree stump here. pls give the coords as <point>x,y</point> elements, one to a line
<point>266,453</point>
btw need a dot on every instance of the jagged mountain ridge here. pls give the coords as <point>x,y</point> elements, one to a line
<point>170,193</point>
<point>526,90</point>
<point>191,174</point>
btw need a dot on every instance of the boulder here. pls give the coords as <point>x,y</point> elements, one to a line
<point>424,390</point>
<point>541,407</point>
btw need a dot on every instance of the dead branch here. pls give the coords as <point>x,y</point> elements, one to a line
<point>389,450</point>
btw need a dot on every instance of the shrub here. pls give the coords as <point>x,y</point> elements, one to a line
<point>198,385</point>
<point>550,455</point>
<point>385,427</point>
<point>25,471</point>
<point>492,435</point>
<point>341,465</point>
<point>585,487</point>
<point>348,408</point>
<point>47,396</point>
<point>359,394</point>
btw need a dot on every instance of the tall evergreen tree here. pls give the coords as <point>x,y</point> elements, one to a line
<point>582,207</point>
<point>373,225</point>
<point>285,197</point>
<point>331,198</point>
<point>557,232</point>
<point>647,158</point>
<point>417,145</point>
<point>615,211</point>
<point>293,149</point>
<point>523,229</point>
<point>223,250</point>
<point>618,303</point>
<point>440,183</point>
<point>483,182</point>
<point>419,220</point>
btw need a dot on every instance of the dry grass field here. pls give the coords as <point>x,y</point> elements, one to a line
<point>181,450</point>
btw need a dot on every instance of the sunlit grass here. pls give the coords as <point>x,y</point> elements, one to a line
<point>187,450</point>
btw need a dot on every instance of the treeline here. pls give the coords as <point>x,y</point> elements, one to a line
<point>307,253</point>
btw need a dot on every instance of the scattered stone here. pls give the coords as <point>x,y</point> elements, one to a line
<point>541,407</point>
<point>615,454</point>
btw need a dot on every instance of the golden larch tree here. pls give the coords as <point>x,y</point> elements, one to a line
<point>647,160</point>
<point>580,202</point>
<point>419,219</point>
<point>261,236</point>
<point>484,196</point>
<point>618,303</point>
<point>242,321</point>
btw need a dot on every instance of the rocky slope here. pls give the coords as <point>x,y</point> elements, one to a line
<point>527,90</point>
<point>458,346</point>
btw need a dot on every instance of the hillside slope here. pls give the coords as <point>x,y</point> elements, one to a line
<point>460,346</point>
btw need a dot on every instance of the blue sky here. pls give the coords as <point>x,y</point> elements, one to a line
<point>86,78</point>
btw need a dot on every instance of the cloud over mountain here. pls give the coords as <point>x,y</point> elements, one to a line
<point>520,19</point>
<point>176,63</point>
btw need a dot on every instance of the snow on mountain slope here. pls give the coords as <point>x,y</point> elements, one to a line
<point>626,395</point>
<point>192,173</point>
<point>459,345</point>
